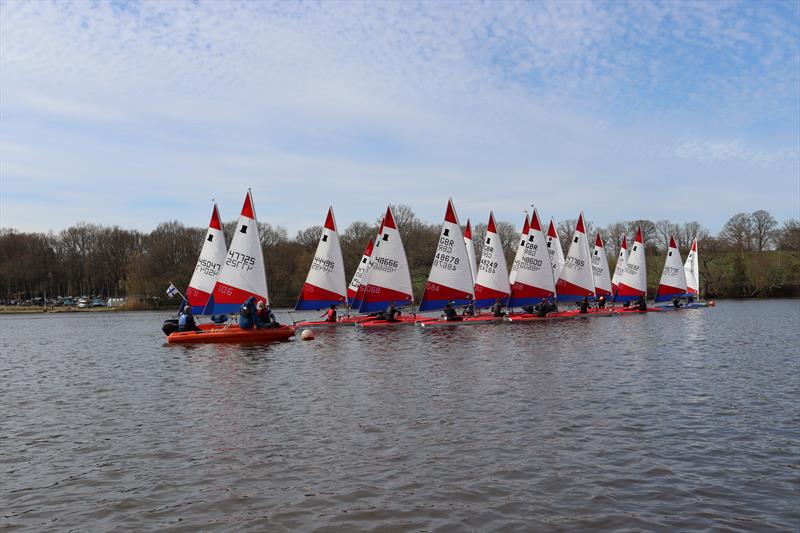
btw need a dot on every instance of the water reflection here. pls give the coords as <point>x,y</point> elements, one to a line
<point>684,420</point>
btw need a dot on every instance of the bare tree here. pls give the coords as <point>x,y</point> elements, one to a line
<point>738,232</point>
<point>664,230</point>
<point>309,238</point>
<point>789,236</point>
<point>688,232</point>
<point>764,226</point>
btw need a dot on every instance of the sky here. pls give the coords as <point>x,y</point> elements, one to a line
<point>135,113</point>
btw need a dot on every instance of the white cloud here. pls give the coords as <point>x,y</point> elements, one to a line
<point>360,104</point>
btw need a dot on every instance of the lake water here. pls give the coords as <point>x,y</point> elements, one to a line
<point>666,421</point>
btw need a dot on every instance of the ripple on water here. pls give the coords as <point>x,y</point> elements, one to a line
<point>684,421</point>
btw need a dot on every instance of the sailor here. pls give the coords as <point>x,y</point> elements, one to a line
<point>690,300</point>
<point>676,303</point>
<point>584,305</point>
<point>542,308</point>
<point>247,312</point>
<point>553,305</point>
<point>264,316</point>
<point>450,311</point>
<point>497,308</point>
<point>641,304</point>
<point>529,309</point>
<point>186,321</point>
<point>469,309</point>
<point>601,302</point>
<point>391,313</point>
<point>330,314</point>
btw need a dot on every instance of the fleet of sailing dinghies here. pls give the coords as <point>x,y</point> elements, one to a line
<point>622,259</point>
<point>389,277</point>
<point>492,280</point>
<point>534,279</point>
<point>361,269</point>
<point>451,276</point>
<point>222,280</point>
<point>692,270</point>
<point>673,277</point>
<point>473,265</point>
<point>325,284</point>
<point>209,264</point>
<point>554,246</point>
<point>602,280</point>
<point>633,283</point>
<point>576,280</point>
<point>243,273</point>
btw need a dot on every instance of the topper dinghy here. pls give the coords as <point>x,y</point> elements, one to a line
<point>492,280</point>
<point>470,251</point>
<point>576,280</point>
<point>208,266</point>
<point>325,283</point>
<point>450,279</point>
<point>602,281</point>
<point>554,246</point>
<point>389,277</point>
<point>673,277</point>
<point>243,273</point>
<point>622,259</point>
<point>534,279</point>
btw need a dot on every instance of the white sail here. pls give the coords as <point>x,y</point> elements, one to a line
<point>692,270</point>
<point>576,280</point>
<point>602,280</point>
<point>523,240</point>
<point>634,279</point>
<point>243,273</point>
<point>389,277</point>
<point>534,279</point>
<point>554,246</point>
<point>622,260</point>
<point>492,280</point>
<point>473,265</point>
<point>673,277</point>
<point>325,284</point>
<point>209,264</point>
<point>364,280</point>
<point>450,278</point>
<point>363,265</point>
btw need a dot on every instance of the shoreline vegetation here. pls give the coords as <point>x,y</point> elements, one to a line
<point>753,256</point>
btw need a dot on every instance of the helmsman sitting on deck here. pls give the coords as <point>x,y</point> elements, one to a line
<point>265,318</point>
<point>186,321</point>
<point>450,313</point>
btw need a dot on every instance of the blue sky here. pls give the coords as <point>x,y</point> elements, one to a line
<point>136,113</point>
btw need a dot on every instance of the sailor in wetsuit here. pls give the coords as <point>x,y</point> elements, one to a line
<point>186,321</point>
<point>469,310</point>
<point>542,308</point>
<point>450,312</point>
<point>265,319</point>
<point>601,302</point>
<point>497,308</point>
<point>641,304</point>
<point>391,313</point>
<point>676,303</point>
<point>247,312</point>
<point>584,306</point>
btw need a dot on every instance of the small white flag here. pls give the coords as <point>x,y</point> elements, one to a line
<point>172,290</point>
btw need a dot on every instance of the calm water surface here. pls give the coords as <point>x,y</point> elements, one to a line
<point>674,421</point>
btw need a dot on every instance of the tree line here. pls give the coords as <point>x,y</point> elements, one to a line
<point>752,256</point>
